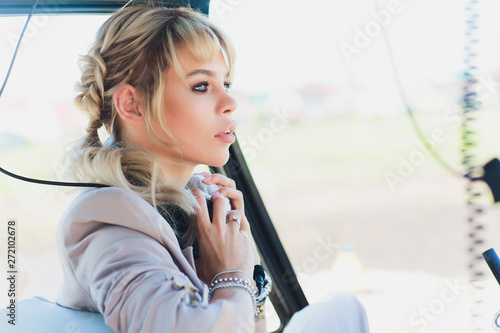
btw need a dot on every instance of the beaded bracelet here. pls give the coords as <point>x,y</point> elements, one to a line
<point>235,283</point>
<point>258,298</point>
<point>233,271</point>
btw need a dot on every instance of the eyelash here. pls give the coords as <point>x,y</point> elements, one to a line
<point>227,86</point>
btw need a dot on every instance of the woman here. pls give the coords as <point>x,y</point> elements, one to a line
<point>145,251</point>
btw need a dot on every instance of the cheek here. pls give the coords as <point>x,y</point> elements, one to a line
<point>178,123</point>
<point>188,125</point>
<point>176,116</point>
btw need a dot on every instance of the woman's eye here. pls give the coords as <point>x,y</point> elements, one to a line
<point>202,87</point>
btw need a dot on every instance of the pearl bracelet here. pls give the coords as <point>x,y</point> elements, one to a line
<point>231,279</point>
<point>233,271</point>
<point>235,283</point>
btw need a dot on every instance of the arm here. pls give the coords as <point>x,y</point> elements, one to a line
<point>137,286</point>
<point>228,189</point>
<point>121,255</point>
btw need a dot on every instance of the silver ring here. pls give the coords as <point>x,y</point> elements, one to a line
<point>235,218</point>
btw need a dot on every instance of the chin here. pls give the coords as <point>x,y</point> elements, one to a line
<point>220,161</point>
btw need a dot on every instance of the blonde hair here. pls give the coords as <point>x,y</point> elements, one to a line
<point>137,45</point>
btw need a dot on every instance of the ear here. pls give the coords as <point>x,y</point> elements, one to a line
<point>127,103</point>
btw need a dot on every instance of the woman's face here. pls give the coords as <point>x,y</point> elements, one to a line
<point>198,111</point>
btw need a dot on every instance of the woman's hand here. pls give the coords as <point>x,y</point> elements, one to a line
<point>224,242</point>
<point>228,189</point>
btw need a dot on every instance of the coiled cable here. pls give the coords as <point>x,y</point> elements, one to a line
<point>470,107</point>
<point>491,173</point>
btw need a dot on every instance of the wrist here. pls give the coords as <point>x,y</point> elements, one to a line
<point>234,283</point>
<point>231,275</point>
<point>258,288</point>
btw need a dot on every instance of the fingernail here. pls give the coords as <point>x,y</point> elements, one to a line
<point>207,179</point>
<point>217,195</point>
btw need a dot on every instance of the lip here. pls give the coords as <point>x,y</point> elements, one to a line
<point>227,135</point>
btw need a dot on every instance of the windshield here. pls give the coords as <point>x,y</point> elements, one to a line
<point>358,201</point>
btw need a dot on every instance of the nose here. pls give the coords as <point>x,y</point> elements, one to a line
<point>227,103</point>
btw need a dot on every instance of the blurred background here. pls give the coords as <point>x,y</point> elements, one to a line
<point>358,202</point>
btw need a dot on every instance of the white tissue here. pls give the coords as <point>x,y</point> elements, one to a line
<point>196,181</point>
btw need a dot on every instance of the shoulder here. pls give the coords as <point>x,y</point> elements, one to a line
<point>105,196</point>
<point>113,206</point>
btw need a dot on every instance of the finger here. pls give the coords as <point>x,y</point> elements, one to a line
<point>219,209</point>
<point>202,209</point>
<point>220,180</point>
<point>234,223</point>
<point>242,220</point>
<point>245,226</point>
<point>235,197</point>
<point>233,216</point>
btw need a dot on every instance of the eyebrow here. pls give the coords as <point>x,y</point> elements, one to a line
<point>203,71</point>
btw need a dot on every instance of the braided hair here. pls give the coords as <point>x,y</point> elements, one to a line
<point>136,46</point>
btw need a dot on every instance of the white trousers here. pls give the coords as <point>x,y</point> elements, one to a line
<point>342,313</point>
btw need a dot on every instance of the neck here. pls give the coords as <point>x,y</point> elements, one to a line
<point>177,170</point>
<point>178,174</point>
